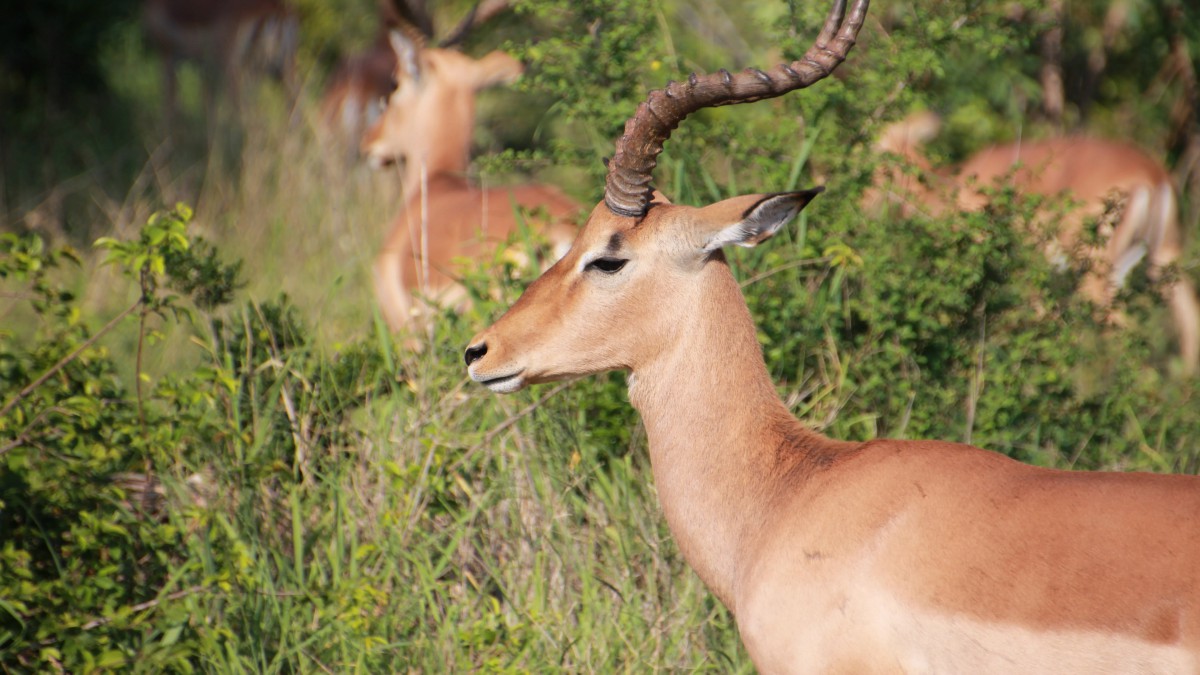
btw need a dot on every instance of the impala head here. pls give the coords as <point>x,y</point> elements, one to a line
<point>641,265</point>
<point>626,284</point>
<point>432,110</point>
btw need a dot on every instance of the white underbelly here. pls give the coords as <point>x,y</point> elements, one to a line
<point>869,631</point>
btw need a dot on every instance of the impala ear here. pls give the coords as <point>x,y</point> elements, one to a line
<point>751,219</point>
<point>497,68</point>
<point>406,54</point>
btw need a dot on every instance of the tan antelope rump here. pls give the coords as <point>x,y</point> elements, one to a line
<point>1092,172</point>
<point>227,38</point>
<point>426,130</point>
<point>838,557</point>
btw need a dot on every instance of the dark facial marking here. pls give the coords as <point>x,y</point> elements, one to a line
<point>614,243</point>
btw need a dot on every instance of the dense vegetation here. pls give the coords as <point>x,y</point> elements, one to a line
<point>212,457</point>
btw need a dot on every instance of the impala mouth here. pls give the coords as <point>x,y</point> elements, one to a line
<point>379,156</point>
<point>501,384</point>
<point>378,162</point>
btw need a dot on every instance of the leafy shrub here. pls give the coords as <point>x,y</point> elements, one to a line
<point>87,548</point>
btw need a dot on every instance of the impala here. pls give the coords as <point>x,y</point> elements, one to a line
<point>356,93</point>
<point>884,556</point>
<point>226,37</point>
<point>1090,172</point>
<point>427,128</point>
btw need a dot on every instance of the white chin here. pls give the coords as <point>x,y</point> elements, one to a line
<point>507,386</point>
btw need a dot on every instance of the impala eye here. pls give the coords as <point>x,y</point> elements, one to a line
<point>606,265</point>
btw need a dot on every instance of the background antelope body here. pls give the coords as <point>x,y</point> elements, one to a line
<point>1091,171</point>
<point>229,38</point>
<point>427,129</point>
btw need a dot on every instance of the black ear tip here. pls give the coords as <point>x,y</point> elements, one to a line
<point>806,196</point>
<point>803,197</point>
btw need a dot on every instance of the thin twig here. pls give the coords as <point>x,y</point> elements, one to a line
<point>68,358</point>
<point>282,594</point>
<point>312,658</point>
<point>803,262</point>
<point>977,375</point>
<point>141,343</point>
<point>142,606</point>
<point>298,435</point>
<point>24,435</point>
<point>524,412</point>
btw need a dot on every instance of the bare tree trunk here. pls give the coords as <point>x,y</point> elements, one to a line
<point>1115,20</point>
<point>1053,97</point>
<point>1184,137</point>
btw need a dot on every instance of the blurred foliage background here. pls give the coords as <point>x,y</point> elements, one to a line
<point>213,457</point>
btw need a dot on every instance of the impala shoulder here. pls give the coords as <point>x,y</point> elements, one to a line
<point>921,451</point>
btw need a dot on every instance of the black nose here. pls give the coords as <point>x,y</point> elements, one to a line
<point>475,353</point>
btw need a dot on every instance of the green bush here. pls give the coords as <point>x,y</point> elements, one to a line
<point>88,546</point>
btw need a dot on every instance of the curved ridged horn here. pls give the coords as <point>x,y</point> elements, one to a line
<point>627,188</point>
<point>481,13</point>
<point>411,22</point>
<point>410,17</point>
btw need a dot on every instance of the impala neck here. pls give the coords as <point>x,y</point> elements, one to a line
<point>721,441</point>
<point>445,146</point>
